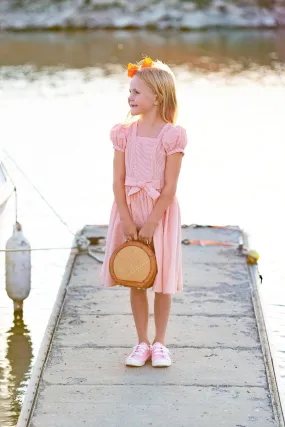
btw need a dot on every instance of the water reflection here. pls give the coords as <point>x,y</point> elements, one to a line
<point>202,51</point>
<point>19,355</point>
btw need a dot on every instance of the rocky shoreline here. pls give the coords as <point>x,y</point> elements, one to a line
<point>133,14</point>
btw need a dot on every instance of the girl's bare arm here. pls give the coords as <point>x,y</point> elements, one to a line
<point>119,174</point>
<point>172,171</point>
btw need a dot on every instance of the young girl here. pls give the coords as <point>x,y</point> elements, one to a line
<point>147,162</point>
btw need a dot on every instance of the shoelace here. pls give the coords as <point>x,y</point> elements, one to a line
<point>163,351</point>
<point>138,350</point>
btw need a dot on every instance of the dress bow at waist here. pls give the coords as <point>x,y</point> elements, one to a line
<point>150,187</point>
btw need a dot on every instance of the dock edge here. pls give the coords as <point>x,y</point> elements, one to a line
<point>270,367</point>
<point>37,370</point>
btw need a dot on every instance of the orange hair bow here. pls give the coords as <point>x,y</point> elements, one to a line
<point>133,68</point>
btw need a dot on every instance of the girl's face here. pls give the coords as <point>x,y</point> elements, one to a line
<point>141,99</point>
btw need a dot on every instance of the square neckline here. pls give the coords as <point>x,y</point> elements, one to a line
<point>149,137</point>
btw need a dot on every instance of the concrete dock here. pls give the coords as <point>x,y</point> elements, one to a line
<point>222,373</point>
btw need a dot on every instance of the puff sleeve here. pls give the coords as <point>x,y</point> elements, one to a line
<point>118,136</point>
<point>175,140</point>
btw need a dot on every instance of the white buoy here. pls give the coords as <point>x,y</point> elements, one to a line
<point>18,267</point>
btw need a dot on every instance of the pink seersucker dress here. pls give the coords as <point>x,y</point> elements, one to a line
<point>145,160</point>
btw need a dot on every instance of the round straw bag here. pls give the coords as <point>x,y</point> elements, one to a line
<point>133,264</point>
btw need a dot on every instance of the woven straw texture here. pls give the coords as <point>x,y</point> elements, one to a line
<point>133,264</point>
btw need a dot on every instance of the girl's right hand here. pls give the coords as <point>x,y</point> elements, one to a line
<point>130,230</point>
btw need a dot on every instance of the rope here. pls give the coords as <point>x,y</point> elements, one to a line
<point>13,192</point>
<point>49,205</point>
<point>39,193</point>
<point>37,249</point>
<point>94,256</point>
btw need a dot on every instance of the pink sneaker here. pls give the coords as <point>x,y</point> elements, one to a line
<point>139,355</point>
<point>160,356</point>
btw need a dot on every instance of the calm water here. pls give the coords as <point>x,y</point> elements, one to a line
<point>59,96</point>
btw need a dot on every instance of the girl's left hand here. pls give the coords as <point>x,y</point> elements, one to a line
<point>146,233</point>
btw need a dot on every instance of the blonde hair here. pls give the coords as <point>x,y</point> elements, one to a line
<point>160,79</point>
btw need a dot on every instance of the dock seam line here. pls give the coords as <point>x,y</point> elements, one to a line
<point>161,385</point>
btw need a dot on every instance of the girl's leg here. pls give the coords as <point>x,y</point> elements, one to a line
<point>162,305</point>
<point>139,303</point>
